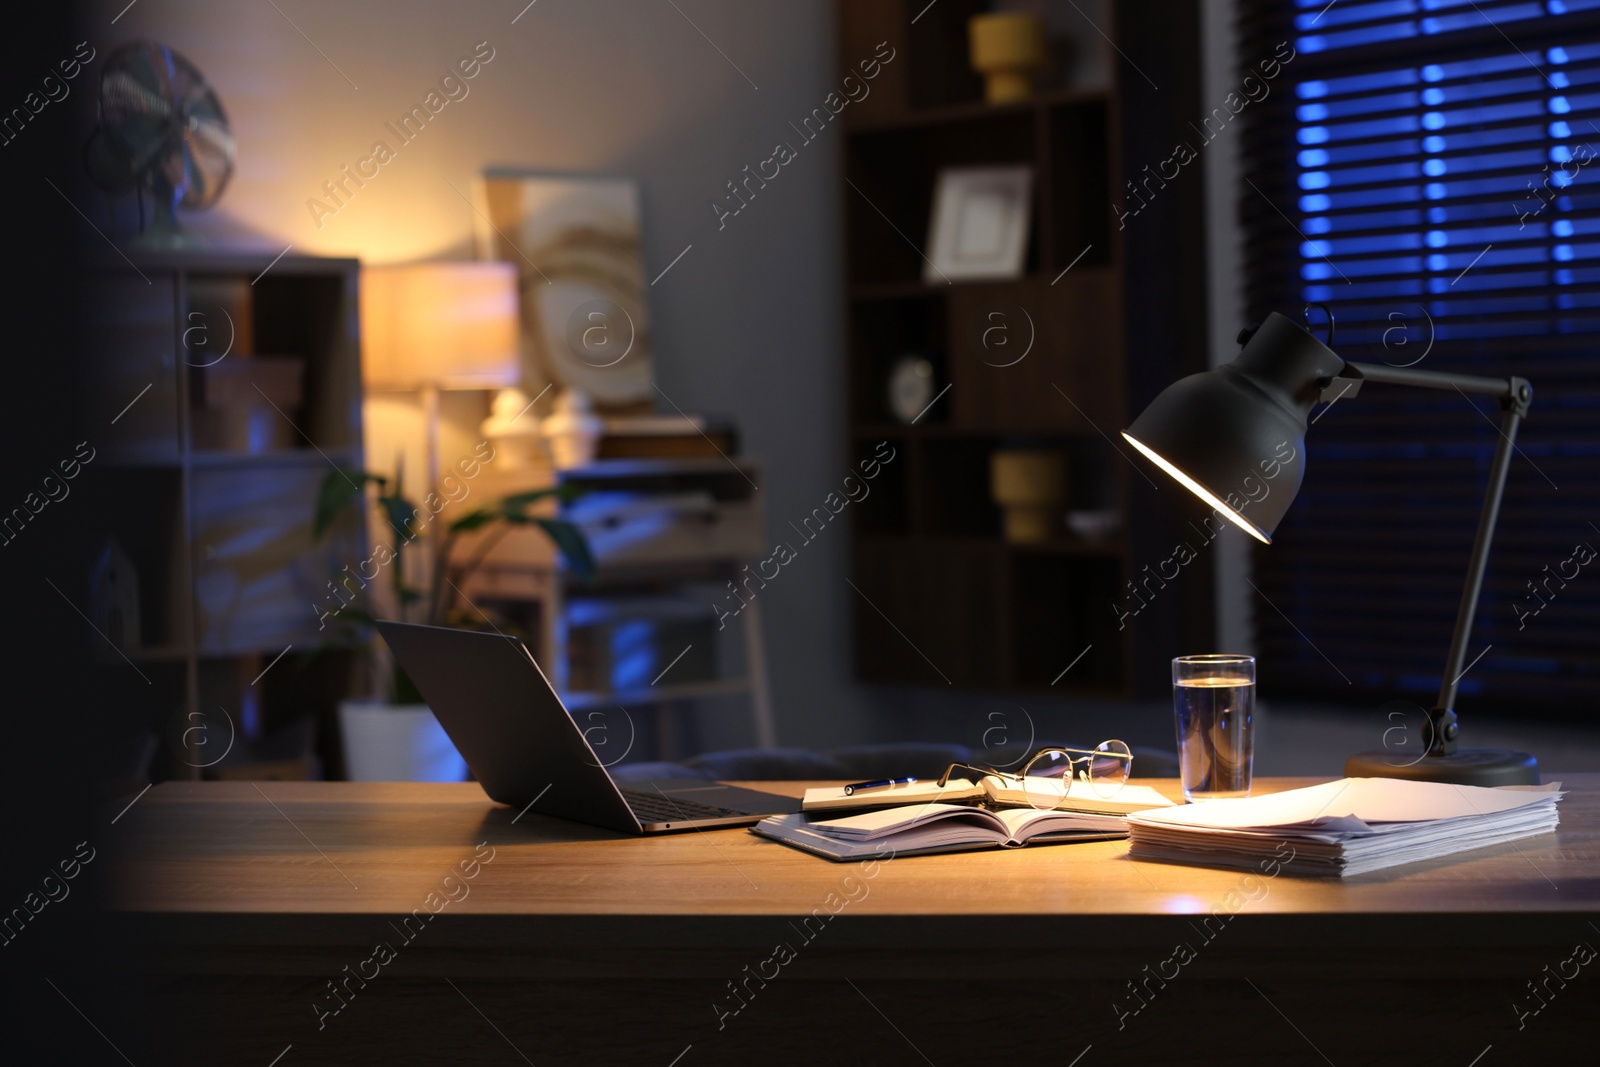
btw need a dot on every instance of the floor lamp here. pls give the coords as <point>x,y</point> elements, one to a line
<point>1221,431</point>
<point>428,327</point>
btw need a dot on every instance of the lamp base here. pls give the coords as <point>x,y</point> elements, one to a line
<point>1467,766</point>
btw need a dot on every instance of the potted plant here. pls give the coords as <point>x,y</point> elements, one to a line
<point>392,735</point>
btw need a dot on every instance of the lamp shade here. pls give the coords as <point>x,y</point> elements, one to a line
<point>1235,435</point>
<point>450,325</point>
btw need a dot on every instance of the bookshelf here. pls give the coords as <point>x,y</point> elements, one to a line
<point>214,499</point>
<point>1112,311</point>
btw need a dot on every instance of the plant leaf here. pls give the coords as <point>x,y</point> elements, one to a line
<point>519,501</point>
<point>339,490</point>
<point>474,520</point>
<point>397,512</point>
<point>573,545</point>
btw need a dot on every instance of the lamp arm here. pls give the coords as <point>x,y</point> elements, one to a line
<point>1515,395</point>
<point>1501,388</point>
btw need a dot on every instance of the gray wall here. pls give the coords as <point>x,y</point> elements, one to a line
<point>748,323</point>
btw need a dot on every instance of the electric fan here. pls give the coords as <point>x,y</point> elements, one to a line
<point>163,128</point>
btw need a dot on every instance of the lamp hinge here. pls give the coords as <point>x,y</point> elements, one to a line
<point>1519,399</point>
<point>1341,385</point>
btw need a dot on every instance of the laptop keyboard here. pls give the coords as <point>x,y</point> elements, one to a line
<point>654,807</point>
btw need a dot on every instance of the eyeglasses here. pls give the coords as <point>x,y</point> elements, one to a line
<point>1103,769</point>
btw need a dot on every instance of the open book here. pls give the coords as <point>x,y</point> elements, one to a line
<point>935,828</point>
<point>1048,794</point>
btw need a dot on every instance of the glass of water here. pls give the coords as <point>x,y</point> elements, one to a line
<point>1214,703</point>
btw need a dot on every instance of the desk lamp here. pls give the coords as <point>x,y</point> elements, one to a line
<point>1222,431</point>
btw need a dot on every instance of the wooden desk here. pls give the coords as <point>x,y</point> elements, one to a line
<point>573,944</point>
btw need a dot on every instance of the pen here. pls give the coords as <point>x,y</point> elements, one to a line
<point>850,790</point>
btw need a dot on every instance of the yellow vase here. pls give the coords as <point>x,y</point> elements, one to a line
<point>1030,486</point>
<point>1007,48</point>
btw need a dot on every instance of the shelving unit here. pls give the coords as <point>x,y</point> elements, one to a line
<point>220,538</point>
<point>673,537</point>
<point>946,600</point>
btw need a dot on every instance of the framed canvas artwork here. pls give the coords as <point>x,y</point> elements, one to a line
<point>575,242</point>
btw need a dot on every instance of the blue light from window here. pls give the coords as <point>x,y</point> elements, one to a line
<point>1315,202</point>
<point>1433,168</point>
<point>1312,135</point>
<point>1311,90</point>
<point>1437,214</point>
<point>1430,25</point>
<point>1432,72</point>
<point>1560,153</point>
<point>1556,55</point>
<point>1561,227</point>
<point>1314,179</point>
<point>1437,239</point>
<point>1311,112</point>
<point>1559,105</point>
<point>1560,179</point>
<point>1563,276</point>
<point>1433,97</point>
<point>1433,121</point>
<point>1433,143</point>
<point>1311,44</point>
<point>1314,157</point>
<point>1434,191</point>
<point>1313,249</point>
<point>1563,252</point>
<point>1560,129</point>
<point>1438,263</point>
<point>1558,80</point>
<point>1317,224</point>
<point>1315,272</point>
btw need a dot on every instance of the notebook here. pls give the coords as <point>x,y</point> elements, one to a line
<point>935,828</point>
<point>1048,793</point>
<point>1352,826</point>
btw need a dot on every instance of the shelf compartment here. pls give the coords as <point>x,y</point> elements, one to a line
<point>893,173</point>
<point>879,336</point>
<point>1078,160</point>
<point>1069,380</point>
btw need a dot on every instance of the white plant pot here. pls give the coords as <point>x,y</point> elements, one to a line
<point>396,743</point>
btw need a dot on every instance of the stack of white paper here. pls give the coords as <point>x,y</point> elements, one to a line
<point>1346,827</point>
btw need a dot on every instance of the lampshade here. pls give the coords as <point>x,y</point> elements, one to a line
<point>1235,436</point>
<point>449,325</point>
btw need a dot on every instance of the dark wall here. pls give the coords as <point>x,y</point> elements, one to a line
<point>63,714</point>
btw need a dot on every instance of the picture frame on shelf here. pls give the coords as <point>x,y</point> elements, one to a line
<point>979,226</point>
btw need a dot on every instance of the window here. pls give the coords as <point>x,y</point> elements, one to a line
<point>1430,171</point>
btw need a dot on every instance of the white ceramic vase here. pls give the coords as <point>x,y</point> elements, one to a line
<point>572,431</point>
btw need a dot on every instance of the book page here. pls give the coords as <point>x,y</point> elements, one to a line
<point>870,825</point>
<point>1025,823</point>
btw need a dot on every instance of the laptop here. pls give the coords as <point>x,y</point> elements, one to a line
<point>527,751</point>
